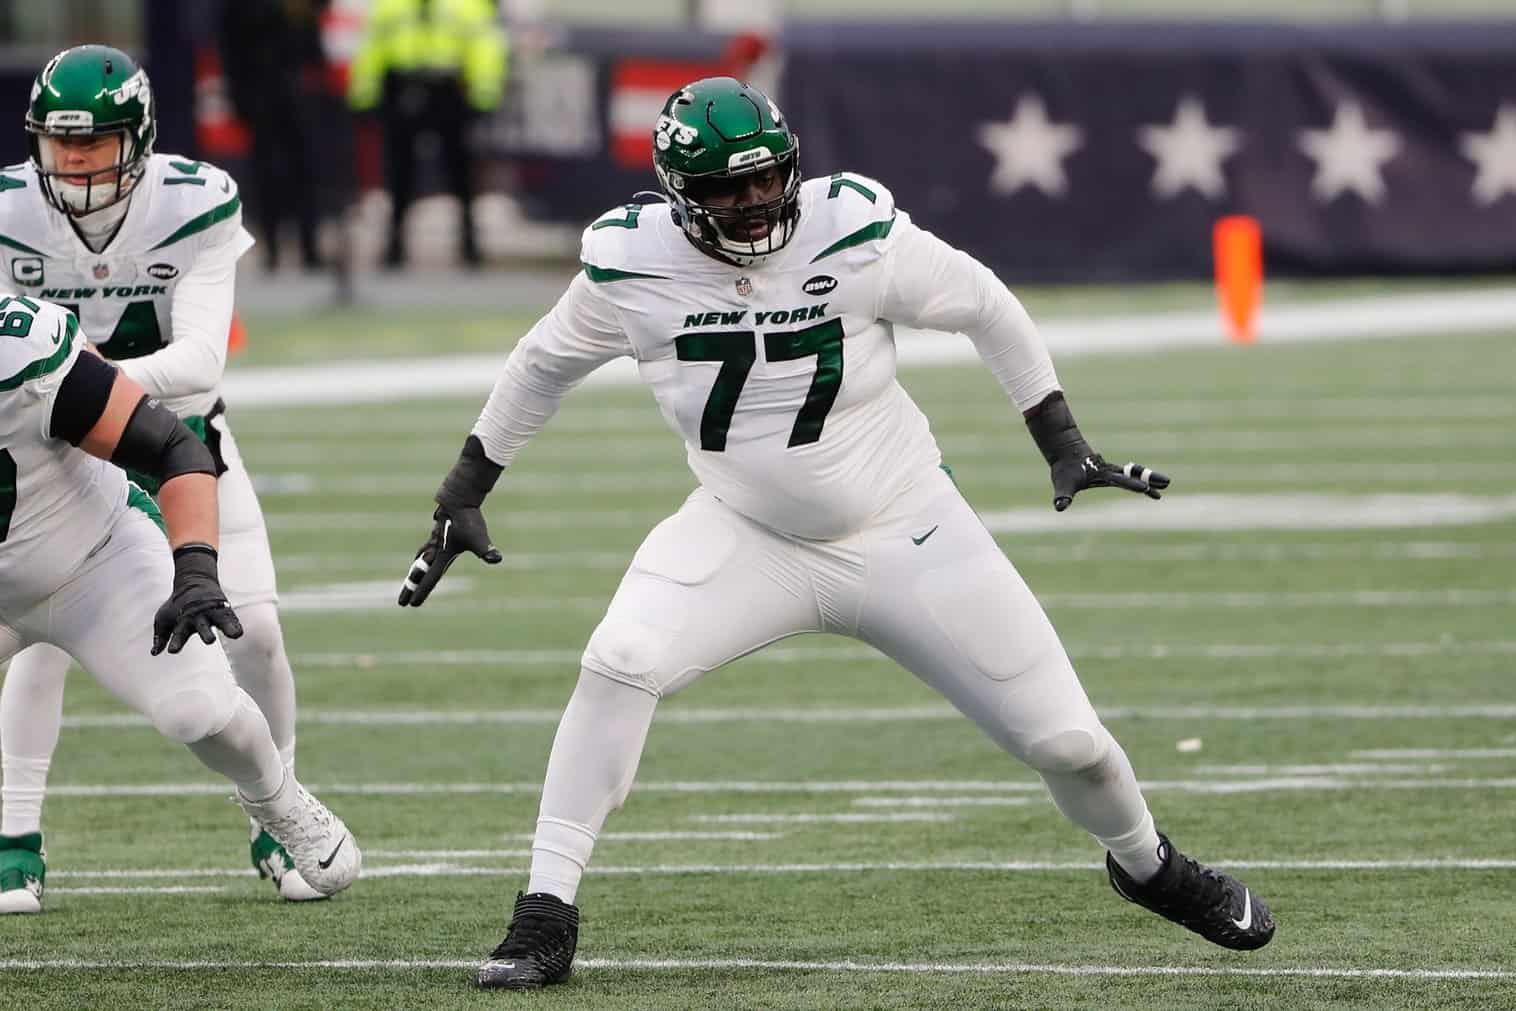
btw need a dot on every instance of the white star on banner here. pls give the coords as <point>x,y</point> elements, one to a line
<point>1349,155</point>
<point>1029,149</point>
<point>1494,155</point>
<point>1189,151</point>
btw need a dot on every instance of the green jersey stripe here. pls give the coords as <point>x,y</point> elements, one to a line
<point>876,230</point>
<point>43,366</point>
<point>201,223</point>
<point>604,275</point>
<point>6,240</point>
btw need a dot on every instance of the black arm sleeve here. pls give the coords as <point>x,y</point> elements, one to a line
<point>81,398</point>
<point>158,444</point>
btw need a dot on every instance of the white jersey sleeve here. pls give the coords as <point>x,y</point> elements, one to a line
<point>578,335</point>
<point>57,503</point>
<point>38,344</point>
<point>932,285</point>
<point>200,313</point>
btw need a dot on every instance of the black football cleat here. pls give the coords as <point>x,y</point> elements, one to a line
<point>538,948</point>
<point>1214,905</point>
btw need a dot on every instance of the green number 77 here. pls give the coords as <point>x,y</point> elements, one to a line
<point>736,352</point>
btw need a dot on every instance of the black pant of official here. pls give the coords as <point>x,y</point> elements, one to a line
<point>414,104</point>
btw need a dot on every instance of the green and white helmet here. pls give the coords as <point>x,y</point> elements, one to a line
<point>91,91</point>
<point>711,135</point>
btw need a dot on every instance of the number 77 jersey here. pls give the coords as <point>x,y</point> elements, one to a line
<point>780,377</point>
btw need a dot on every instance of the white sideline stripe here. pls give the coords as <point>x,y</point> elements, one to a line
<point>140,890</point>
<point>388,381</point>
<point>1179,513</point>
<point>430,870</point>
<point>1213,786</point>
<point>852,714</point>
<point>1294,511</point>
<point>297,484</point>
<point>1021,554</point>
<point>813,819</point>
<point>720,964</point>
<point>1394,753</point>
<point>811,654</point>
<point>1338,769</point>
<point>414,420</point>
<point>380,595</point>
<point>672,836</point>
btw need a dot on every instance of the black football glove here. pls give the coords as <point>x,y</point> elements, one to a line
<point>1075,466</point>
<point>197,603</point>
<point>457,524</point>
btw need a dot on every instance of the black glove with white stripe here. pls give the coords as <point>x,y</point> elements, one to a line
<point>1074,464</point>
<point>457,524</point>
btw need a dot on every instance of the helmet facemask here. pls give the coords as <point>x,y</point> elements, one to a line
<point>79,193</point>
<point>709,208</point>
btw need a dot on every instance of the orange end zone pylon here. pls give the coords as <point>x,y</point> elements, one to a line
<point>1238,248</point>
<point>236,337</point>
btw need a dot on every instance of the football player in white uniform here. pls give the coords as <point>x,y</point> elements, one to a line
<point>143,248</point>
<point>760,312</point>
<point>83,563</point>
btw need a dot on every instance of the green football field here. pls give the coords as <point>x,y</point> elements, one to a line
<point>1320,705</point>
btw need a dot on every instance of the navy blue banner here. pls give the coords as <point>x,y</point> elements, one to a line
<point>1096,152</point>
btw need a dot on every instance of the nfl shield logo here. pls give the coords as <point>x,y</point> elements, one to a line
<point>102,271</point>
<point>744,287</point>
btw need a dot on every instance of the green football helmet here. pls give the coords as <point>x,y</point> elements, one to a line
<point>711,139</point>
<point>91,91</point>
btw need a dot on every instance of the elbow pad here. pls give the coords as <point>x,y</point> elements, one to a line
<point>158,444</point>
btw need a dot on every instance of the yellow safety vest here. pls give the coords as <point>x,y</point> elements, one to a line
<point>445,36</point>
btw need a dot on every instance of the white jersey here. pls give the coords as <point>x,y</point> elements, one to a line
<point>57,503</point>
<point>780,377</point>
<point>184,220</point>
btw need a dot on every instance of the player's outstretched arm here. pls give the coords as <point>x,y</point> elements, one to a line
<point>935,286</point>
<point>1075,466</point>
<point>107,415</point>
<point>457,523</point>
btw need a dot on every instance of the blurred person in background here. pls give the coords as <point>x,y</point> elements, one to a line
<point>272,60</point>
<point>143,249</point>
<point>429,66</point>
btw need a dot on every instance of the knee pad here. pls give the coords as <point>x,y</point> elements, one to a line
<point>629,652</point>
<point>193,714</point>
<point>261,639</point>
<point>1069,752</point>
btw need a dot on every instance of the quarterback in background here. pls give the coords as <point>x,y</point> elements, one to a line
<point>760,310</point>
<point>143,249</point>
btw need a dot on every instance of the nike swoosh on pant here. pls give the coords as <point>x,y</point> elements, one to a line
<point>324,864</point>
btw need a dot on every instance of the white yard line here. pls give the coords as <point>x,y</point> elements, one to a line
<point>140,890</point>
<point>447,869</point>
<point>676,714</point>
<point>673,836</point>
<point>942,801</point>
<point>746,964</point>
<point>1213,786</point>
<point>1397,753</point>
<point>814,819</point>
